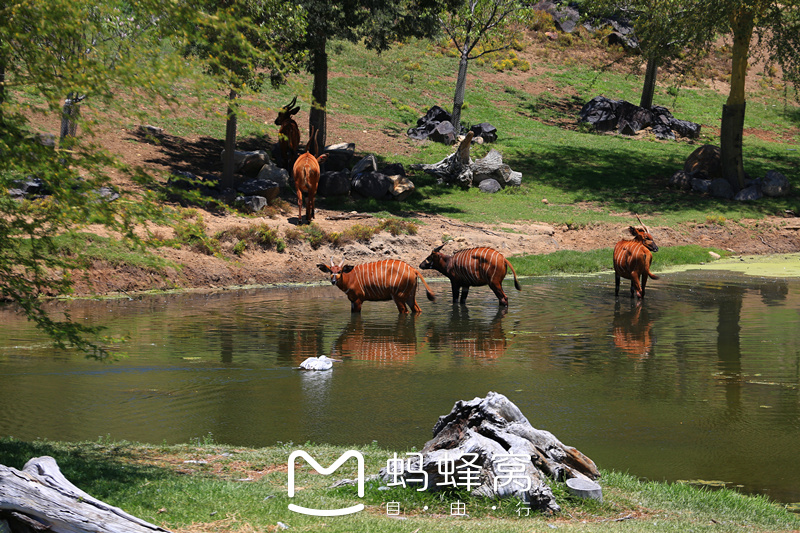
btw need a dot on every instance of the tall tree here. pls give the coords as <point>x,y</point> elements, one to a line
<point>37,38</point>
<point>377,22</point>
<point>244,42</point>
<point>489,23</point>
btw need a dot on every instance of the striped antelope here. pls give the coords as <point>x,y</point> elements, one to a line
<point>379,281</point>
<point>632,260</point>
<point>474,267</point>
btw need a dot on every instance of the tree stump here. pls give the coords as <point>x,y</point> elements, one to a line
<point>39,497</point>
<point>507,456</point>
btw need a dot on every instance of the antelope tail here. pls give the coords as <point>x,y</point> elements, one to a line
<point>516,282</point>
<point>428,291</point>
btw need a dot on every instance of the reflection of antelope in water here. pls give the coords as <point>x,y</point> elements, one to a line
<point>377,342</point>
<point>467,337</point>
<point>632,331</point>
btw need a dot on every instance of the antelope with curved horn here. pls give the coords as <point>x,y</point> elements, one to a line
<point>289,133</point>
<point>632,260</point>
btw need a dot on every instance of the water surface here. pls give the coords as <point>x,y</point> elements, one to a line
<point>700,382</point>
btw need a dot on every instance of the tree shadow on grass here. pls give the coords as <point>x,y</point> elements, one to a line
<point>97,470</point>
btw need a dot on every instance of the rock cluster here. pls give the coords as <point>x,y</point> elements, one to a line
<point>437,126</point>
<point>702,173</point>
<point>628,119</point>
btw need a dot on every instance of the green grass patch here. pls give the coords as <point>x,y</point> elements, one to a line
<point>117,252</point>
<point>210,487</point>
<point>574,262</point>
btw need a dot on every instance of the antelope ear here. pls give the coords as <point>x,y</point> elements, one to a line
<point>347,268</point>
<point>295,110</point>
<point>323,267</point>
<point>633,231</point>
<point>439,248</point>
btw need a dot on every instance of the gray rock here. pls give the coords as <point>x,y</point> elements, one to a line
<point>700,185</point>
<point>248,163</point>
<point>260,187</point>
<point>680,180</point>
<point>334,183</point>
<point>367,164</point>
<point>251,204</point>
<point>394,169</point>
<point>720,188</point>
<point>749,194</point>
<point>107,193</point>
<point>372,185</point>
<point>339,156</point>
<point>514,179</point>
<point>484,131</point>
<point>775,184</point>
<point>489,185</point>
<point>444,133</point>
<point>273,172</point>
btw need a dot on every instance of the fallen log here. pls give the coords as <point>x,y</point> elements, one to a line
<point>39,493</point>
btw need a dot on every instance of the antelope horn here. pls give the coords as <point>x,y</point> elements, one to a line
<point>642,223</point>
<point>342,263</point>
<point>292,102</point>
<point>332,261</point>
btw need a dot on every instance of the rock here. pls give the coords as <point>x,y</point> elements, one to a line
<point>489,185</point>
<point>107,193</point>
<point>601,112</point>
<point>428,123</point>
<point>514,179</point>
<point>251,204</point>
<point>248,163</point>
<point>700,185</point>
<point>492,167</point>
<point>401,187</point>
<point>367,164</point>
<point>775,184</point>
<point>394,169</point>
<point>720,188</point>
<point>484,131</point>
<point>30,186</point>
<point>628,119</point>
<point>272,172</point>
<point>260,187</point>
<point>748,194</point>
<point>372,185</point>
<point>153,131</point>
<point>339,156</point>
<point>444,133</point>
<point>334,183</point>
<point>47,140</point>
<point>684,128</point>
<point>680,180</point>
<point>482,441</point>
<point>706,159</point>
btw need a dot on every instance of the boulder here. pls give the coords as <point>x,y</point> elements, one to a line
<point>274,173</point>
<point>339,156</point>
<point>492,167</point>
<point>775,184</point>
<point>367,164</point>
<point>372,185</point>
<point>700,185</point>
<point>334,183</point>
<point>680,180</point>
<point>628,119</point>
<point>480,443</point>
<point>720,188</point>
<point>749,194</point>
<point>260,187</point>
<point>706,159</point>
<point>401,187</point>
<point>444,133</point>
<point>394,169</point>
<point>489,185</point>
<point>484,131</point>
<point>251,204</point>
<point>248,163</point>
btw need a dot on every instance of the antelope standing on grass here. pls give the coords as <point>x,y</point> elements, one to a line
<point>472,268</point>
<point>289,133</point>
<point>306,180</point>
<point>379,281</point>
<point>632,260</point>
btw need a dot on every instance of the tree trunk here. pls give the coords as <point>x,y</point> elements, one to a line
<point>2,90</point>
<point>742,22</point>
<point>228,162</point>
<point>461,87</point>
<point>69,115</point>
<point>649,88</point>
<point>317,117</point>
<point>40,494</point>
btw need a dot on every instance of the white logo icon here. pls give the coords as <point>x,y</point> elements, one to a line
<point>327,471</point>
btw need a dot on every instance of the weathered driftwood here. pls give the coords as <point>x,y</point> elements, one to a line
<point>493,436</point>
<point>41,492</point>
<point>459,169</point>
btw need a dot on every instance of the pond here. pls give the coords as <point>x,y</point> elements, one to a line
<point>702,381</point>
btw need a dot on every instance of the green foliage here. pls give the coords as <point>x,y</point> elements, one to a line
<point>190,230</point>
<point>260,235</point>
